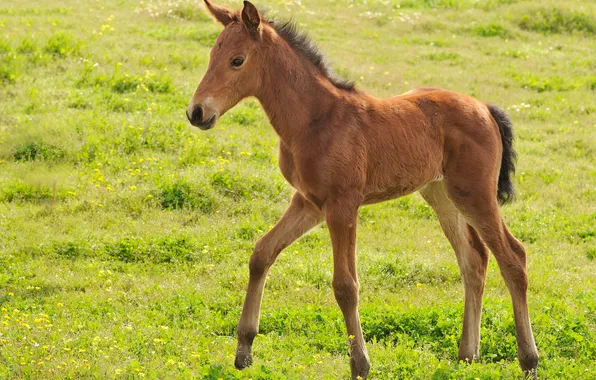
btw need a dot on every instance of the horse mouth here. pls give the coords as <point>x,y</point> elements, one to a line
<point>208,124</point>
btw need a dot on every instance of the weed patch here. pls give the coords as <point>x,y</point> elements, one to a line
<point>546,83</point>
<point>411,207</point>
<point>401,274</point>
<point>236,186</point>
<point>492,30</point>
<point>9,68</point>
<point>435,328</point>
<point>443,56</point>
<point>162,250</point>
<point>27,46</point>
<point>63,44</point>
<point>19,192</point>
<point>35,150</point>
<point>69,250</point>
<point>182,195</point>
<point>127,83</point>
<point>557,20</point>
<point>5,46</point>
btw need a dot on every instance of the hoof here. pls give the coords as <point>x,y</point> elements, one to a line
<point>529,363</point>
<point>244,350</point>
<point>468,358</point>
<point>531,374</point>
<point>243,361</point>
<point>360,369</point>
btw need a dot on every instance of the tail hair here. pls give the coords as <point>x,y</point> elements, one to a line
<point>505,189</point>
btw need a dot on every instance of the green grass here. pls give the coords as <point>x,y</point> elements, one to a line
<point>125,233</point>
<point>557,20</point>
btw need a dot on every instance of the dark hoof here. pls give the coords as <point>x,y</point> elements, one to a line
<point>531,374</point>
<point>360,369</point>
<point>243,361</point>
<point>468,359</point>
<point>529,363</point>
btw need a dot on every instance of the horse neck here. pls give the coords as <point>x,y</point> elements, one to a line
<point>294,93</point>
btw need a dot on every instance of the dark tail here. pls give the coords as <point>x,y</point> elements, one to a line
<point>505,191</point>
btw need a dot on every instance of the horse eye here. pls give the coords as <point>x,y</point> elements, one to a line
<point>237,62</point>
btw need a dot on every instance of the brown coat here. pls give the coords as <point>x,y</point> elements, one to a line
<point>341,148</point>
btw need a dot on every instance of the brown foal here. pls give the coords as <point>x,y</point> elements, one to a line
<point>341,148</point>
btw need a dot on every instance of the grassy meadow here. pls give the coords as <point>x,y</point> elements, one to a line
<point>125,233</point>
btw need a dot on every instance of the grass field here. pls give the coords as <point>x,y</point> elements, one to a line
<point>125,233</point>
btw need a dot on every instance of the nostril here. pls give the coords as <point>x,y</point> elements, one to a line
<point>197,115</point>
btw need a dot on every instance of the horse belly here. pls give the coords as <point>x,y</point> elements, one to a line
<point>401,169</point>
<point>389,193</point>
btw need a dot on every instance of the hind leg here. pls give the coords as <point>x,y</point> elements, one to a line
<point>479,206</point>
<point>472,258</point>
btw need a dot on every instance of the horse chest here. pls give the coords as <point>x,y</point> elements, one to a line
<point>296,172</point>
<point>289,169</point>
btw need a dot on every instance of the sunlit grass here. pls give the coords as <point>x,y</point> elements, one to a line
<point>125,233</point>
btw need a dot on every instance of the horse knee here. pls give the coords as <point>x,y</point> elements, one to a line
<point>517,248</point>
<point>474,278</point>
<point>515,274</point>
<point>480,250</point>
<point>474,266</point>
<point>261,259</point>
<point>346,291</point>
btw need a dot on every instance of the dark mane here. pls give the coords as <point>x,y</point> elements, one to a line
<point>302,43</point>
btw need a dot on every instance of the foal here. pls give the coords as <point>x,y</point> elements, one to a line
<point>341,148</point>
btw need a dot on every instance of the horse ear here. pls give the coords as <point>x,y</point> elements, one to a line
<point>251,17</point>
<point>221,14</point>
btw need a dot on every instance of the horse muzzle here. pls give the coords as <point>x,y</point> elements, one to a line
<point>197,118</point>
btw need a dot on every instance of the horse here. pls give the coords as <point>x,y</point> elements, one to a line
<point>341,148</point>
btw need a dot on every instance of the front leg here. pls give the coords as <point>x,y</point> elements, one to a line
<point>342,216</point>
<point>300,217</point>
